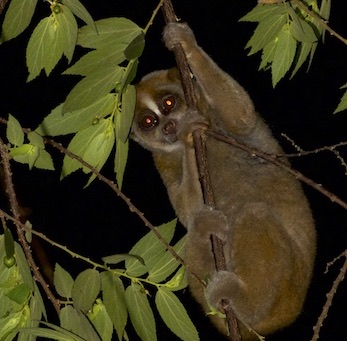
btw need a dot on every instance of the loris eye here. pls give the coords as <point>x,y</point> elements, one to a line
<point>149,121</point>
<point>169,103</point>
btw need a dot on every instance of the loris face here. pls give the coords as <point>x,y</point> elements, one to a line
<point>161,112</point>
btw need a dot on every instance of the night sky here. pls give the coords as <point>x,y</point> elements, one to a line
<point>96,223</point>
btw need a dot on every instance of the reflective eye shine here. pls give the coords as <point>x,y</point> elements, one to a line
<point>149,121</point>
<point>169,103</point>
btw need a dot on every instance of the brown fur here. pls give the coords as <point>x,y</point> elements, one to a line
<point>261,212</point>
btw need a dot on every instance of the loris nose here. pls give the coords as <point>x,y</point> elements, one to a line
<point>170,127</point>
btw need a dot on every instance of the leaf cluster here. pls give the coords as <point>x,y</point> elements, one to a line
<point>97,305</point>
<point>286,35</point>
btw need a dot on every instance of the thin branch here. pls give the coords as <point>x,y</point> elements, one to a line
<point>131,206</point>
<point>2,5</point>
<point>330,296</point>
<point>321,21</point>
<point>276,161</point>
<point>20,232</point>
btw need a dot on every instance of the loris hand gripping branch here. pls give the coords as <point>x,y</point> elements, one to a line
<point>261,215</point>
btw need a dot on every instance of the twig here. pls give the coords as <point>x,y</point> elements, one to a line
<point>2,5</point>
<point>20,232</point>
<point>131,206</point>
<point>276,161</point>
<point>321,21</point>
<point>329,301</point>
<point>190,97</point>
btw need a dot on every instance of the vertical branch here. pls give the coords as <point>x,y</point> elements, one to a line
<point>190,97</point>
<point>9,188</point>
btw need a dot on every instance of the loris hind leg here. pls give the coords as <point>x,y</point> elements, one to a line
<point>262,280</point>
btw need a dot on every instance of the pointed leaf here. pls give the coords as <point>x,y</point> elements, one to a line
<point>150,248</point>
<point>343,102</point>
<point>98,59</point>
<point>44,161</point>
<point>179,281</point>
<point>72,320</point>
<point>115,259</point>
<point>101,320</point>
<point>263,12</point>
<point>109,32</point>
<point>266,32</point>
<point>284,55</point>
<point>66,32</point>
<point>124,118</point>
<point>113,295</point>
<point>80,11</point>
<point>58,124</point>
<point>86,289</point>
<point>120,162</point>
<point>175,315</point>
<point>93,87</point>
<point>63,282</point>
<point>140,312</point>
<point>167,263</point>
<point>14,131</point>
<point>17,18</point>
<point>79,144</point>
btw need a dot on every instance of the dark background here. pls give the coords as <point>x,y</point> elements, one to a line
<point>95,222</point>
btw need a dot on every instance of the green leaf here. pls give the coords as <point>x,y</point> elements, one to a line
<point>66,32</point>
<point>120,257</point>
<point>124,118</point>
<point>74,321</point>
<point>53,36</point>
<point>343,102</point>
<point>23,267</point>
<point>179,281</point>
<point>140,312</point>
<point>266,32</point>
<point>80,11</point>
<point>38,301</point>
<point>63,282</point>
<point>44,161</point>
<point>303,51</point>
<point>263,12</point>
<point>325,9</point>
<point>19,294</point>
<point>50,334</point>
<point>120,162</point>
<point>110,32</point>
<point>85,290</point>
<point>9,243</point>
<point>175,315</point>
<point>36,140</point>
<point>93,87</point>
<point>80,144</point>
<point>167,264</point>
<point>101,320</point>
<point>113,295</point>
<point>26,153</point>
<point>17,18</point>
<point>14,131</point>
<point>302,31</point>
<point>100,148</point>
<point>135,48</point>
<point>267,55</point>
<point>150,248</point>
<point>58,124</point>
<point>98,59</point>
<point>284,55</point>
